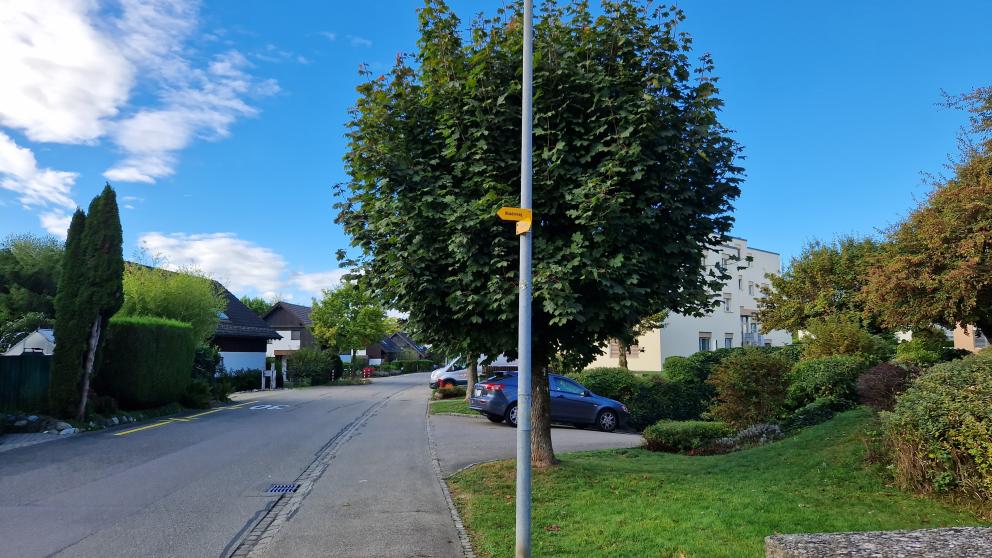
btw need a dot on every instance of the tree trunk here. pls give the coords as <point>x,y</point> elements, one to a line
<point>985,326</point>
<point>94,343</point>
<point>542,452</point>
<point>473,375</point>
<point>352,363</point>
<point>623,348</point>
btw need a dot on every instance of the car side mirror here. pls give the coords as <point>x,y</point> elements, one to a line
<point>586,393</point>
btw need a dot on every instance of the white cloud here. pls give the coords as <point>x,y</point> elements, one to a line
<point>35,187</point>
<point>56,222</point>
<point>313,283</point>
<point>242,266</point>
<point>357,41</point>
<point>62,79</point>
<point>205,107</point>
<point>329,35</point>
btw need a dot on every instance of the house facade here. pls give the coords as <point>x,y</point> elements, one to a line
<point>292,322</point>
<point>971,339</point>
<point>241,335</point>
<point>732,323</point>
<point>41,341</point>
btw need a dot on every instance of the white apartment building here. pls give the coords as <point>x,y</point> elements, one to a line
<point>732,323</point>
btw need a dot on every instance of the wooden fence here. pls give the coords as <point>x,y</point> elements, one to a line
<point>24,382</point>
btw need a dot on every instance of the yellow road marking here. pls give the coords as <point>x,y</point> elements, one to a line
<point>189,418</point>
<point>133,430</point>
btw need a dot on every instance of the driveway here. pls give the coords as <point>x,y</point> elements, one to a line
<point>466,440</point>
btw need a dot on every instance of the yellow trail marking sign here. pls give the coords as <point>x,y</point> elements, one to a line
<point>523,217</point>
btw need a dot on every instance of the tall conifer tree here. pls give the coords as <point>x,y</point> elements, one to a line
<point>70,347</point>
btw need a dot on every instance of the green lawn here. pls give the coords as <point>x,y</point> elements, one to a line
<point>639,503</point>
<point>459,406</point>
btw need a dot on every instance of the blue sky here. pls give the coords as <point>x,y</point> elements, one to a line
<point>221,124</point>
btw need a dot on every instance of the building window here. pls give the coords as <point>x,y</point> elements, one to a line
<point>740,282</point>
<point>295,335</point>
<point>728,341</point>
<point>727,303</point>
<point>750,288</point>
<point>768,343</point>
<point>704,341</point>
<point>633,351</point>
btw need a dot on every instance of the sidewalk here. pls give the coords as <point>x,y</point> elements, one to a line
<point>16,441</point>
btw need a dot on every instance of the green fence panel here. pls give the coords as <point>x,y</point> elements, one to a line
<point>24,382</point>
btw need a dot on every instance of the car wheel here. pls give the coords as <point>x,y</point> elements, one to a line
<point>447,384</point>
<point>607,420</point>
<point>494,418</point>
<point>511,415</point>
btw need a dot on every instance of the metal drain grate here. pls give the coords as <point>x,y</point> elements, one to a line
<point>282,488</point>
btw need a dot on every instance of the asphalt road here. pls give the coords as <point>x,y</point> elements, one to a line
<point>197,485</point>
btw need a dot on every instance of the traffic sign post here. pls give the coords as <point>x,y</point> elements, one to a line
<point>523,339</point>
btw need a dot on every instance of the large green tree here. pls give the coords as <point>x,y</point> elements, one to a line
<point>633,179</point>
<point>825,281</point>
<point>29,275</point>
<point>90,292</point>
<point>256,304</point>
<point>348,318</point>
<point>937,265</point>
<point>70,323</point>
<point>103,293</point>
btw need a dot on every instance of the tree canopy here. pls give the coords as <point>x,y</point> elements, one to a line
<point>633,179</point>
<point>937,264</point>
<point>30,266</point>
<point>256,304</point>
<point>185,295</point>
<point>348,318</point>
<point>825,281</point>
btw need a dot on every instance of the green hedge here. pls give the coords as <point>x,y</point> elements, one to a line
<point>684,436</point>
<point>833,378</point>
<point>941,429</point>
<point>147,362</point>
<point>648,400</point>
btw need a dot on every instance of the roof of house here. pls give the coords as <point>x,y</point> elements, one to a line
<point>402,339</point>
<point>389,347</point>
<point>239,321</point>
<point>301,312</point>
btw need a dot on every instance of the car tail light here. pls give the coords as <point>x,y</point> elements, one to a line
<point>493,387</point>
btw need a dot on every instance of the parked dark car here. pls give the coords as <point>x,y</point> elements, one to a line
<point>571,403</point>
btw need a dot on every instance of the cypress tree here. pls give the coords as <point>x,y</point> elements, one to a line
<point>70,347</point>
<point>103,291</point>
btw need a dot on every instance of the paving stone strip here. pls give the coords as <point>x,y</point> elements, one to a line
<point>957,542</point>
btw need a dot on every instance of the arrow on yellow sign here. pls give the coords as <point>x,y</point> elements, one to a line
<point>523,217</point>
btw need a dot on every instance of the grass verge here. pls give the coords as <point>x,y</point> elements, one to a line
<point>638,503</point>
<point>457,406</point>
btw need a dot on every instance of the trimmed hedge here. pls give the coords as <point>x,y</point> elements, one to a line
<point>245,380</point>
<point>648,400</point>
<point>147,362</point>
<point>940,432</point>
<point>833,378</point>
<point>750,386</point>
<point>684,436</point>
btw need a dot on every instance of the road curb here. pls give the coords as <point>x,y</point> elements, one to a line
<point>455,516</point>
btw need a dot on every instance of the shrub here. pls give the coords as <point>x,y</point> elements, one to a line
<point>104,405</point>
<point>684,436</point>
<point>879,386</point>
<point>221,388</point>
<point>245,380</point>
<point>750,387</point>
<point>811,414</point>
<point>841,335</point>
<point>616,383</point>
<point>146,361</point>
<point>940,431</point>
<point>758,434</point>
<point>449,392</point>
<point>792,353</point>
<point>198,394</point>
<point>832,378</point>
<point>311,364</point>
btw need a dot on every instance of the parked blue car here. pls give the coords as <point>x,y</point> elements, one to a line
<point>571,403</point>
